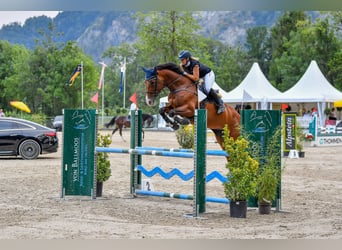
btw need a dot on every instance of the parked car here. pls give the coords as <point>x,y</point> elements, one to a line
<point>58,122</point>
<point>25,138</point>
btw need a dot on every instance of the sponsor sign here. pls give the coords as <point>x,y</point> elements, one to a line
<point>78,163</point>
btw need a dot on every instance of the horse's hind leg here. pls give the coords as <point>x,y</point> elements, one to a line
<point>219,137</point>
<point>116,129</point>
<point>120,132</point>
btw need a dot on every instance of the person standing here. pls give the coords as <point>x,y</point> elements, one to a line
<point>195,70</point>
<point>2,114</point>
<point>132,107</point>
<point>332,115</point>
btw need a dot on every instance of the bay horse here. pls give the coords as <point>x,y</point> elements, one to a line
<point>183,100</point>
<point>120,122</point>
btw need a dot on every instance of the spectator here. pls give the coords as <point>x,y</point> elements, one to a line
<point>332,115</point>
<point>2,114</point>
<point>133,107</point>
<point>307,115</point>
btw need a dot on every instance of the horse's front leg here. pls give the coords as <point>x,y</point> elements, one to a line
<point>164,114</point>
<point>181,114</point>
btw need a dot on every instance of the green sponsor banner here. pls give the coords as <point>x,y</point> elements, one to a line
<point>260,125</point>
<point>78,163</point>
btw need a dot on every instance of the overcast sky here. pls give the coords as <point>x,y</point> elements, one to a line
<point>7,17</point>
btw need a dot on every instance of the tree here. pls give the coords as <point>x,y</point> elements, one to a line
<point>311,41</point>
<point>258,47</point>
<point>163,34</point>
<point>38,77</point>
<point>280,35</point>
<point>232,66</point>
<point>12,63</point>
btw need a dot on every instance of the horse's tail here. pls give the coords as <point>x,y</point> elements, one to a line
<point>111,122</point>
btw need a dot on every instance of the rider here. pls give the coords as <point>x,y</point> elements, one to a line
<point>195,70</point>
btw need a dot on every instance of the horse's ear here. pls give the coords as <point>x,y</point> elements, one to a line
<point>155,70</point>
<point>149,72</point>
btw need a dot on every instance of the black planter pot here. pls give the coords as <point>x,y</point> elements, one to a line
<point>301,154</point>
<point>238,209</point>
<point>264,207</point>
<point>99,187</point>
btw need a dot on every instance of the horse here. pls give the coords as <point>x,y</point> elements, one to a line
<point>121,122</point>
<point>183,100</point>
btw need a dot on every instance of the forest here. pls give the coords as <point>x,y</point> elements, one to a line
<point>39,76</point>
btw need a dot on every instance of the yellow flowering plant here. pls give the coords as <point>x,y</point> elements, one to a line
<point>103,164</point>
<point>185,136</point>
<point>242,168</point>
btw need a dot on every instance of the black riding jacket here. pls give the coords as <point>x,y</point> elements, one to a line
<point>203,69</point>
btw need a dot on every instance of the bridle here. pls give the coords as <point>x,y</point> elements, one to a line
<point>154,80</point>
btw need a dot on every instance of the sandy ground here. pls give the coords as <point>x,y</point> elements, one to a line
<point>30,207</point>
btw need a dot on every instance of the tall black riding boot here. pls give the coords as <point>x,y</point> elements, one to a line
<point>218,101</point>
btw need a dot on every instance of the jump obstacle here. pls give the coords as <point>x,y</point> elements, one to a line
<point>199,155</point>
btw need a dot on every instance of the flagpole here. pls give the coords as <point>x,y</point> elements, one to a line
<point>82,82</point>
<point>103,65</point>
<point>102,99</point>
<point>124,84</point>
<point>101,85</point>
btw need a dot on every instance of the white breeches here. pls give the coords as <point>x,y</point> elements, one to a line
<point>209,80</point>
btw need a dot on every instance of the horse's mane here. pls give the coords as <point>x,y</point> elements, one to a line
<point>171,66</point>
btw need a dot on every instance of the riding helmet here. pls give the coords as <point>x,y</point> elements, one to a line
<point>184,54</point>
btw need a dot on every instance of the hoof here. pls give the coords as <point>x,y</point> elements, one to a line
<point>185,122</point>
<point>175,127</point>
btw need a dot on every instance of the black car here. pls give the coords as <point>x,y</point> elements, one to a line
<point>58,123</point>
<point>25,138</point>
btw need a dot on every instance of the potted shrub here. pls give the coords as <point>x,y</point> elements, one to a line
<point>299,141</point>
<point>185,136</point>
<point>269,174</point>
<point>241,176</point>
<point>103,171</point>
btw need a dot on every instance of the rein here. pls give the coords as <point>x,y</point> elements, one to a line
<point>168,85</point>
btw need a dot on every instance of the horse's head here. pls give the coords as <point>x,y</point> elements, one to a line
<point>153,87</point>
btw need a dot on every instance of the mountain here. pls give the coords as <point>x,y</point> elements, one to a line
<point>97,31</point>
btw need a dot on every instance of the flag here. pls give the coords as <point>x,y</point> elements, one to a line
<point>74,75</point>
<point>123,70</point>
<point>134,98</point>
<point>95,98</point>
<point>121,87</point>
<point>102,74</point>
<point>284,106</point>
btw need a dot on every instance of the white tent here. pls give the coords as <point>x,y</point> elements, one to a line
<point>312,87</point>
<point>254,88</point>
